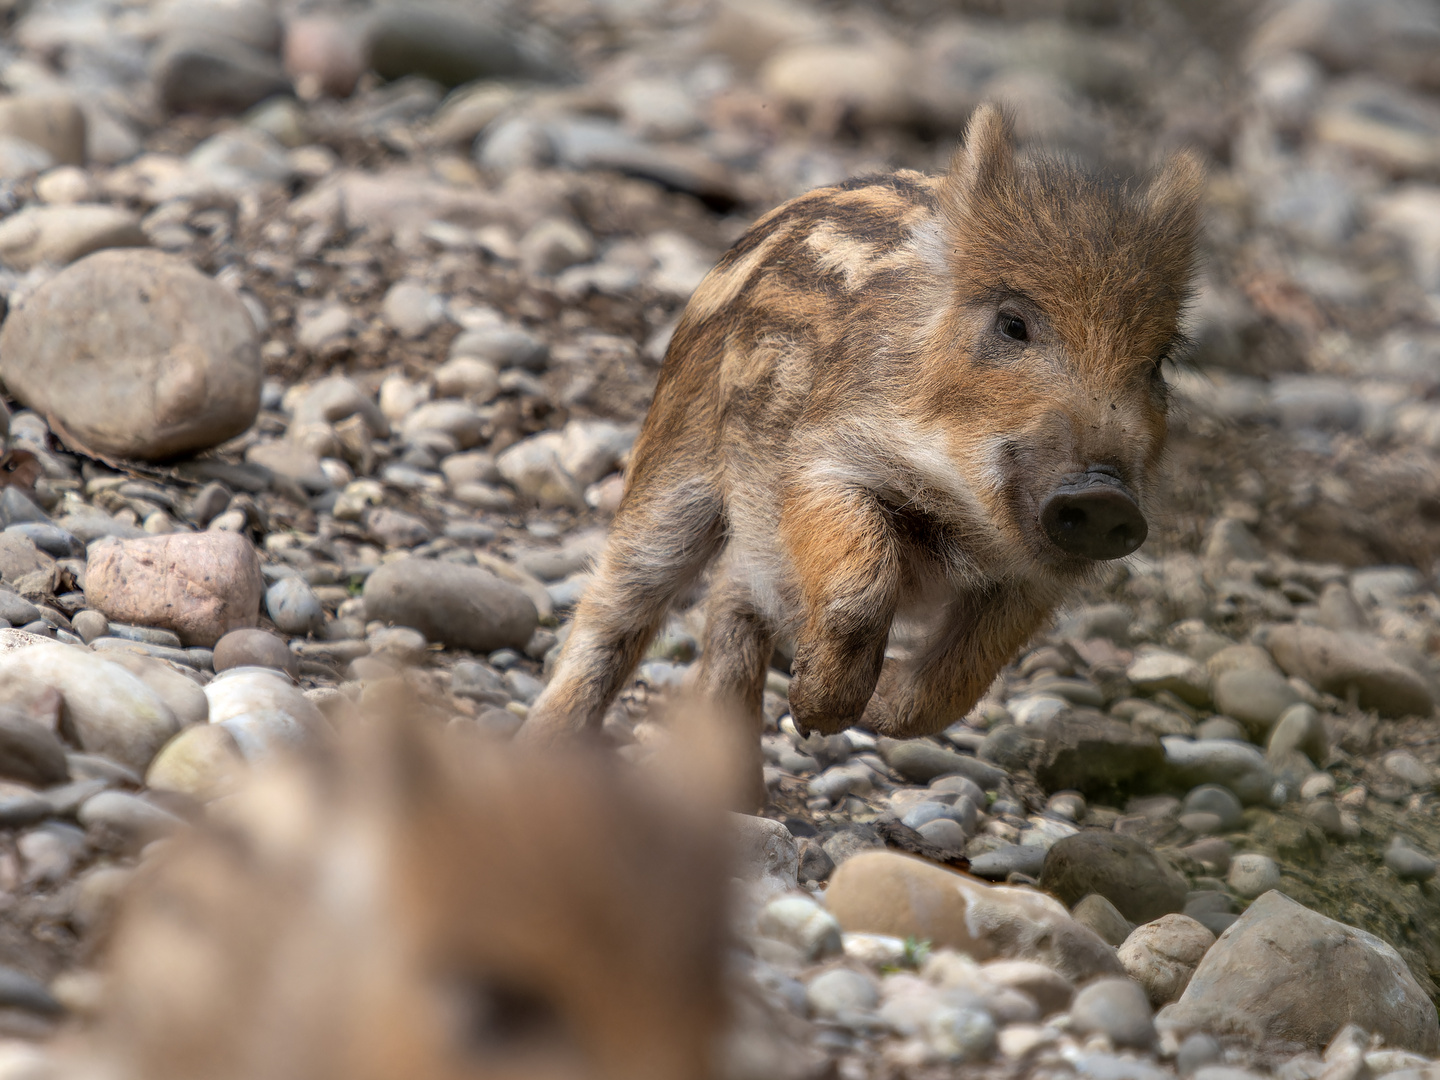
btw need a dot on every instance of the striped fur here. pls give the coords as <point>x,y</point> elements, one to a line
<point>843,433</point>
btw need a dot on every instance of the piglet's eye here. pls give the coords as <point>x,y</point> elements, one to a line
<point>1013,327</point>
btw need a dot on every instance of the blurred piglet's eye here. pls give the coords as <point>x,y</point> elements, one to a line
<point>498,1019</point>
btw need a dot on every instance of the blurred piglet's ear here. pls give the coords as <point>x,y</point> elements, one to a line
<point>1174,196</point>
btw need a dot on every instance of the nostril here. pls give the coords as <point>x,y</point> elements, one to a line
<point>1071,519</point>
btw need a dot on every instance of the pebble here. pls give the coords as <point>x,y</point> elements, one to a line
<point>1116,1008</point>
<point>553,245</point>
<point>1409,769</point>
<point>133,819</point>
<point>1252,874</point>
<point>1162,955</point>
<point>503,346</point>
<point>1300,728</point>
<point>30,752</point>
<point>1101,916</point>
<point>110,710</point>
<point>921,762</point>
<point>884,893</point>
<point>1096,756</point>
<point>293,606</point>
<point>201,585</point>
<point>180,692</point>
<point>187,374</point>
<point>801,922</point>
<point>1216,800</point>
<point>49,852</point>
<point>59,235</point>
<point>1140,884</point>
<point>1258,982</point>
<point>1256,698</point>
<point>1237,766</point>
<point>764,851</point>
<point>203,762</point>
<point>1006,859</point>
<point>834,993</point>
<point>1407,863</point>
<point>213,74</point>
<point>411,309</point>
<point>1337,663</point>
<point>249,647</point>
<point>462,606</point>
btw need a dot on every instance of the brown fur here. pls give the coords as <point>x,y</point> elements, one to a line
<point>841,429</point>
<point>430,909</point>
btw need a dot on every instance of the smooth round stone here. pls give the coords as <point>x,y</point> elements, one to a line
<point>1197,1051</point>
<point>1221,727</point>
<point>1116,1008</point>
<point>841,991</point>
<point>922,813</point>
<point>1201,824</point>
<point>255,648</point>
<point>30,752</point>
<point>1120,868</point>
<point>179,691</point>
<point>256,690</point>
<point>800,922</point>
<point>1300,728</point>
<point>1409,864</point>
<point>293,606</point>
<point>999,864</point>
<point>1213,853</point>
<point>110,710</point>
<point>21,991</point>
<point>134,819</point>
<point>399,644</point>
<point>51,539</point>
<point>1317,785</point>
<point>1214,799</point>
<point>946,834</point>
<point>203,761</point>
<point>1007,746</point>
<point>463,606</point>
<point>960,1033</point>
<point>480,682</point>
<point>1162,955</point>
<point>1069,805</point>
<point>169,358</point>
<point>1255,697</point>
<point>1101,916</point>
<point>1252,874</point>
<point>90,625</point>
<point>960,786</point>
<point>504,346</point>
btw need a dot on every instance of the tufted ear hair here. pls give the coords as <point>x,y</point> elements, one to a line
<point>1172,201</point>
<point>983,164</point>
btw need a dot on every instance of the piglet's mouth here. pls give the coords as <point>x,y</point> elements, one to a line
<point>1094,515</point>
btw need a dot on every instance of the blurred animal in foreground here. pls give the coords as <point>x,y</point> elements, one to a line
<point>427,906</point>
<point>904,413</point>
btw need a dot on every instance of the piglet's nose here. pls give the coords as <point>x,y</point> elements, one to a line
<point>1093,516</point>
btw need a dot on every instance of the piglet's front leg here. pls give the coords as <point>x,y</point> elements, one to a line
<point>845,555</point>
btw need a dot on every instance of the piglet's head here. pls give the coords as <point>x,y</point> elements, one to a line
<point>1065,298</point>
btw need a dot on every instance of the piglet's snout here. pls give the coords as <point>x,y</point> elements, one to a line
<point>1093,515</point>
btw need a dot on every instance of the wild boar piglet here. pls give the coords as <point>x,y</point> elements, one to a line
<point>898,423</point>
<point>426,908</point>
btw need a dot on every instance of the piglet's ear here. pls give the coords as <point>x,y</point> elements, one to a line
<point>985,162</point>
<point>1173,199</point>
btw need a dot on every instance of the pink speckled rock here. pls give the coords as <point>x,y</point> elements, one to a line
<point>200,585</point>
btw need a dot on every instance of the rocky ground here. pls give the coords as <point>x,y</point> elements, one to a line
<point>328,333</point>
